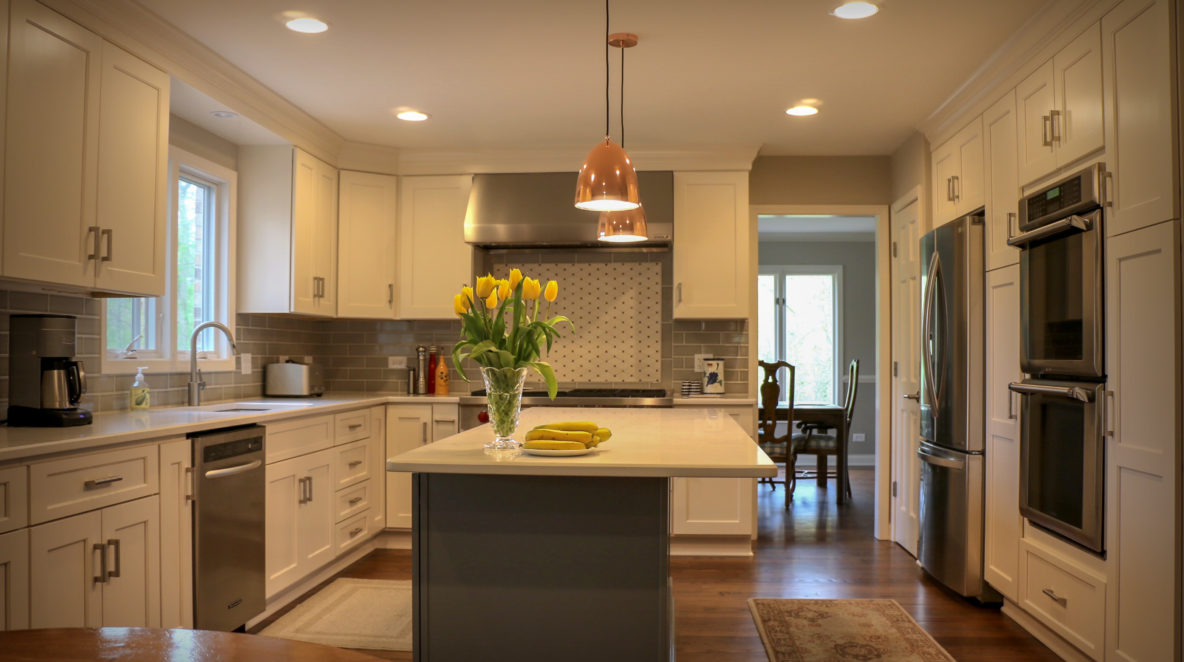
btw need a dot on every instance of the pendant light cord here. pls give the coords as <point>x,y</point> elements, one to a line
<point>606,83</point>
<point>622,97</point>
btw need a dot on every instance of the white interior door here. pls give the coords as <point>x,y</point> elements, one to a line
<point>906,384</point>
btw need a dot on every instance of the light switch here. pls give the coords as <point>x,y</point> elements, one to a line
<point>396,362</point>
<point>244,362</point>
<point>699,358</point>
<point>858,436</point>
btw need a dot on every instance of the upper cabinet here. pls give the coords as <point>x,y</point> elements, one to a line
<point>287,232</point>
<point>711,245</point>
<point>1059,108</point>
<point>86,159</point>
<point>1002,183</point>
<point>958,174</point>
<point>366,218</point>
<point>434,260</point>
<point>1137,79</point>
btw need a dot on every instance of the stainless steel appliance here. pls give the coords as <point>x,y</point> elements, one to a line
<point>291,379</point>
<point>228,529</point>
<point>472,406</point>
<point>45,383</point>
<point>952,374</point>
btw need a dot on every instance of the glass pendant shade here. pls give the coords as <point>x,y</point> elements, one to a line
<point>622,226</point>
<point>608,181</point>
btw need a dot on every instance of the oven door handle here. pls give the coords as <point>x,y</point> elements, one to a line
<point>1074,222</point>
<point>1071,392</point>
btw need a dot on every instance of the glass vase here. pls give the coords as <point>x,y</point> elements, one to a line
<point>503,389</point>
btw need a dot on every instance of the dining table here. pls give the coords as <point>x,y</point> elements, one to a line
<point>824,416</point>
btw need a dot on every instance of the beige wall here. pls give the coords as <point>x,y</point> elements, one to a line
<point>196,140</point>
<point>910,167</point>
<point>820,180</point>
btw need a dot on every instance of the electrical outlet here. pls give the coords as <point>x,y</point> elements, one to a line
<point>282,358</point>
<point>699,358</point>
<point>396,361</point>
<point>244,362</point>
<point>308,360</point>
<point>858,436</point>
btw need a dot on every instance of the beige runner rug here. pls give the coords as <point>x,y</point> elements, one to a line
<point>374,614</point>
<point>859,630</point>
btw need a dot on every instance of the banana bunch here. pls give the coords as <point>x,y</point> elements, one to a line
<point>567,435</point>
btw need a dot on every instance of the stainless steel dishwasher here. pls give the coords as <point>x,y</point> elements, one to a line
<point>228,551</point>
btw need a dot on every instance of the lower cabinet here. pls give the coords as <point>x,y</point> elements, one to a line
<point>408,427</point>
<point>14,580</point>
<point>377,490</point>
<point>716,506</point>
<point>301,503</point>
<point>1003,526</point>
<point>1068,599</point>
<point>97,569</point>
<point>176,534</point>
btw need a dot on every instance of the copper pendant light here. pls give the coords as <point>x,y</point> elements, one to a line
<point>629,225</point>
<point>608,180</point>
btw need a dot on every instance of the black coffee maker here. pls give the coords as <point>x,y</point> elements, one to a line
<point>45,383</point>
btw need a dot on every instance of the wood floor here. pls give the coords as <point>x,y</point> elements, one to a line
<point>815,549</point>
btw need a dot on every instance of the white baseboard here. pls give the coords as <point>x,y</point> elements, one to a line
<point>710,546</point>
<point>1055,643</point>
<point>393,539</point>
<point>860,460</point>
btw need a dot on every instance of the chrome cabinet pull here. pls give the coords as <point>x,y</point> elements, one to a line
<point>101,548</point>
<point>355,532</point>
<point>678,293</point>
<point>96,230</point>
<point>101,482</point>
<point>1110,414</point>
<point>957,187</point>
<point>1106,199</point>
<point>309,479</point>
<point>425,432</point>
<point>1011,216</point>
<point>949,189</point>
<point>303,483</point>
<point>354,426</point>
<point>1054,118</point>
<point>390,294</point>
<point>108,234</point>
<point>354,463</point>
<point>355,501</point>
<point>114,542</point>
<point>1010,405</point>
<point>188,484</point>
<point>1045,122</point>
<point>1052,595</point>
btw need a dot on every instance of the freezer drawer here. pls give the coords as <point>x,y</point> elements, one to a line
<point>951,547</point>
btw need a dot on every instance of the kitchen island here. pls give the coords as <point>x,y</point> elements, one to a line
<point>522,557</point>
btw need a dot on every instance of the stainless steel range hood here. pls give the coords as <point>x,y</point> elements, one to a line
<point>536,209</point>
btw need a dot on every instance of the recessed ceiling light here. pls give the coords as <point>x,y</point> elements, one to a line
<point>224,114</point>
<point>411,115</point>
<point>856,9</point>
<point>307,25</point>
<point>802,110</point>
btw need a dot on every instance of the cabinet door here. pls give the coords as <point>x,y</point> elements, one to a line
<point>14,580</point>
<point>1137,79</point>
<point>1142,365</point>
<point>434,260</point>
<point>1002,181</point>
<point>14,498</point>
<point>968,187</point>
<point>325,238</point>
<point>366,248</point>
<point>945,168</point>
<point>407,427</point>
<point>711,506</point>
<point>377,444</point>
<point>1077,88</point>
<point>1034,102</point>
<point>283,496</point>
<point>131,595</point>
<point>711,279</point>
<point>314,525</point>
<point>305,286</point>
<point>65,590</point>
<point>132,178</point>
<point>445,421</point>
<point>176,534</point>
<point>1003,520</point>
<point>51,151</point>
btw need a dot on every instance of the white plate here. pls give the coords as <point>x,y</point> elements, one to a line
<point>556,452</point>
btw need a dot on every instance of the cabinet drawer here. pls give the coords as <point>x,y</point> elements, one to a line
<point>351,464</point>
<point>352,531</point>
<point>72,485</point>
<point>1070,601</point>
<point>352,500</point>
<point>291,438</point>
<point>351,426</point>
<point>14,498</point>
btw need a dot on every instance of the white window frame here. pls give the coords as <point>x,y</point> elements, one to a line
<point>171,359</point>
<point>779,272</point>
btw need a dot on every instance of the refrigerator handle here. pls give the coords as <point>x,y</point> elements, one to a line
<point>926,330</point>
<point>940,460</point>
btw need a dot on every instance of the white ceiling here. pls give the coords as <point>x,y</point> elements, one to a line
<point>796,227</point>
<point>529,73</point>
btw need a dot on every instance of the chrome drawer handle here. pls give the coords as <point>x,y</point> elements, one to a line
<point>355,501</point>
<point>101,482</point>
<point>354,463</point>
<point>355,426</point>
<point>114,542</point>
<point>1064,602</point>
<point>355,532</point>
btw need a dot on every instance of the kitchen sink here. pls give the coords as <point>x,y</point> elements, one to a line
<point>229,409</point>
<point>250,406</point>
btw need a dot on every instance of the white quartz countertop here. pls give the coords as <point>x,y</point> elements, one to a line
<point>645,443</point>
<point>121,427</point>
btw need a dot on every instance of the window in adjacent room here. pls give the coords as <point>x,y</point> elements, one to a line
<point>799,321</point>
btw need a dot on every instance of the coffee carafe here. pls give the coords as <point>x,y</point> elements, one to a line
<point>45,383</point>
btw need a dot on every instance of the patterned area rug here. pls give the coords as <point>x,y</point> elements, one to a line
<point>859,630</point>
<point>374,614</point>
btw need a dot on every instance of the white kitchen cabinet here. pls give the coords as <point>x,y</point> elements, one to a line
<point>715,506</point>
<point>97,569</point>
<point>14,498</point>
<point>1143,378</point>
<point>14,580</point>
<point>1002,181</point>
<point>300,507</point>
<point>1067,597</point>
<point>958,174</point>
<point>377,444</point>
<point>711,260</point>
<point>1137,80</point>
<point>176,534</point>
<point>409,427</point>
<point>366,225</point>
<point>1004,524</point>
<point>445,421</point>
<point>1060,108</point>
<point>85,159</point>
<point>287,232</point>
<point>434,260</point>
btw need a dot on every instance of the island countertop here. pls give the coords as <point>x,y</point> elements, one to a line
<point>645,443</point>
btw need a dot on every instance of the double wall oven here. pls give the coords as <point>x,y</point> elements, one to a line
<point>1062,445</point>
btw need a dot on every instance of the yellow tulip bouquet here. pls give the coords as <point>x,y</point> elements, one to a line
<point>505,351</point>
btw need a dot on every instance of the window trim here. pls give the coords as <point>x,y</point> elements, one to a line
<point>779,272</point>
<point>226,198</point>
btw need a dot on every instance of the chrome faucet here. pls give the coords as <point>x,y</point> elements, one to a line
<point>196,383</point>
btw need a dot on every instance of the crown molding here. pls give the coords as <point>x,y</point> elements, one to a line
<point>1049,30</point>
<point>137,30</point>
<point>567,159</point>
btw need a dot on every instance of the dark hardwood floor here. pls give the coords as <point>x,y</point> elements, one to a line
<point>815,549</point>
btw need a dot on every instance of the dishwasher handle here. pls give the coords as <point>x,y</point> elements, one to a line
<point>233,470</point>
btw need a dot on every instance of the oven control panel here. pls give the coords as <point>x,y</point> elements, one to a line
<point>1074,194</point>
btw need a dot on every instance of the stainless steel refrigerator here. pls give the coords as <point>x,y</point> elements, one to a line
<point>952,385</point>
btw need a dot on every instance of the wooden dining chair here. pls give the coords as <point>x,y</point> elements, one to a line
<point>823,442</point>
<point>777,447</point>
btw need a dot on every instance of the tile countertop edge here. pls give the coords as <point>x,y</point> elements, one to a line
<point>18,445</point>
